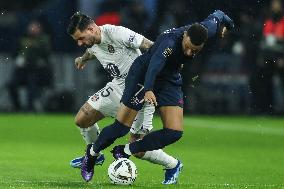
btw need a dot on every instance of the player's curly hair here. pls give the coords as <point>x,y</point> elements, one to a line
<point>198,34</point>
<point>78,21</point>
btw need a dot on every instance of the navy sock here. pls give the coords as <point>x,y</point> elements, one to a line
<point>109,134</point>
<point>155,140</point>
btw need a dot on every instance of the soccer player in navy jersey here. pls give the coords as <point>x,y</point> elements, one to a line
<point>154,78</point>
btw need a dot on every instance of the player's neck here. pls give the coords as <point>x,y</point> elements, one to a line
<point>99,34</point>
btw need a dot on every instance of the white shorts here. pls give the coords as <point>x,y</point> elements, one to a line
<point>107,101</point>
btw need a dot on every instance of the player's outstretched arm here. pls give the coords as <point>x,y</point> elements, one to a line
<point>224,19</point>
<point>218,23</point>
<point>80,62</point>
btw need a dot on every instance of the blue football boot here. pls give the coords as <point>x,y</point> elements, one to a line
<point>171,175</point>
<point>77,162</point>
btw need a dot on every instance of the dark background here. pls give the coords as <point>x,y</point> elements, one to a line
<point>239,74</point>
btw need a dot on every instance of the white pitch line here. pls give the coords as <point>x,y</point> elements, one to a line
<point>38,181</point>
<point>235,127</point>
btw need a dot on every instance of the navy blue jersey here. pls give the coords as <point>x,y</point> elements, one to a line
<point>159,68</point>
<point>164,59</point>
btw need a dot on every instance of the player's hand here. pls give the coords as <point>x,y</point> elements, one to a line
<point>79,63</point>
<point>224,31</point>
<point>150,98</point>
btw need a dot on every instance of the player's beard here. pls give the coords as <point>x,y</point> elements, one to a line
<point>88,45</point>
<point>92,42</point>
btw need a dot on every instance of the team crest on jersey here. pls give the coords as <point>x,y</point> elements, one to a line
<point>110,48</point>
<point>167,52</point>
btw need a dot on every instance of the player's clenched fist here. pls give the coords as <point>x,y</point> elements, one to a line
<point>79,63</point>
<point>150,98</point>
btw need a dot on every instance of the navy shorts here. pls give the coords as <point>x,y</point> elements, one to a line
<point>134,89</point>
<point>167,94</point>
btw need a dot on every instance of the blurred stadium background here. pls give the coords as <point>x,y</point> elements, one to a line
<point>224,145</point>
<point>240,74</point>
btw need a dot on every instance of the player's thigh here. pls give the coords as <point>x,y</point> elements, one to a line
<point>131,103</point>
<point>133,93</point>
<point>87,116</point>
<point>103,103</point>
<point>126,115</point>
<point>172,117</point>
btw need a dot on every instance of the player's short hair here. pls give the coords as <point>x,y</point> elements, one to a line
<point>78,21</point>
<point>198,34</point>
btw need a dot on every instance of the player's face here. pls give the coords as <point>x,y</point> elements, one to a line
<point>88,37</point>
<point>189,49</point>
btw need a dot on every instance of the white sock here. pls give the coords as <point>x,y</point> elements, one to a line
<point>127,150</point>
<point>161,158</point>
<point>93,153</point>
<point>90,134</point>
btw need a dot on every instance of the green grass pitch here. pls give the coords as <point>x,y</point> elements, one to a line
<point>217,152</point>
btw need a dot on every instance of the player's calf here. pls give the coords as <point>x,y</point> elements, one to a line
<point>154,141</point>
<point>109,134</point>
<point>139,155</point>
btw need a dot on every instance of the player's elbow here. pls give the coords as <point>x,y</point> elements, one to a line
<point>219,14</point>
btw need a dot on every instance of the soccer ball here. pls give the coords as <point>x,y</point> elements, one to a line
<point>122,171</point>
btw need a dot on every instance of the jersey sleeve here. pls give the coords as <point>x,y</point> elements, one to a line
<point>214,21</point>
<point>125,36</point>
<point>157,62</point>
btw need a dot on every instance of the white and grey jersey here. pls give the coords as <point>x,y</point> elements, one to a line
<point>118,49</point>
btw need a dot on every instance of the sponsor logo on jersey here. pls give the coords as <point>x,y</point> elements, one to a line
<point>113,70</point>
<point>110,48</point>
<point>167,52</point>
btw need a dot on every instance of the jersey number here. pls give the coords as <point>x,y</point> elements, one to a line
<point>106,92</point>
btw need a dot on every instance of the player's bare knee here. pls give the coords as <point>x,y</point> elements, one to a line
<point>80,121</point>
<point>139,155</point>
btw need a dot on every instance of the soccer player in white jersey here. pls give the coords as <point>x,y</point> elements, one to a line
<point>116,48</point>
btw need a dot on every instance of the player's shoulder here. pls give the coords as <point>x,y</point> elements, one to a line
<point>167,37</point>
<point>109,28</point>
<point>174,32</point>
